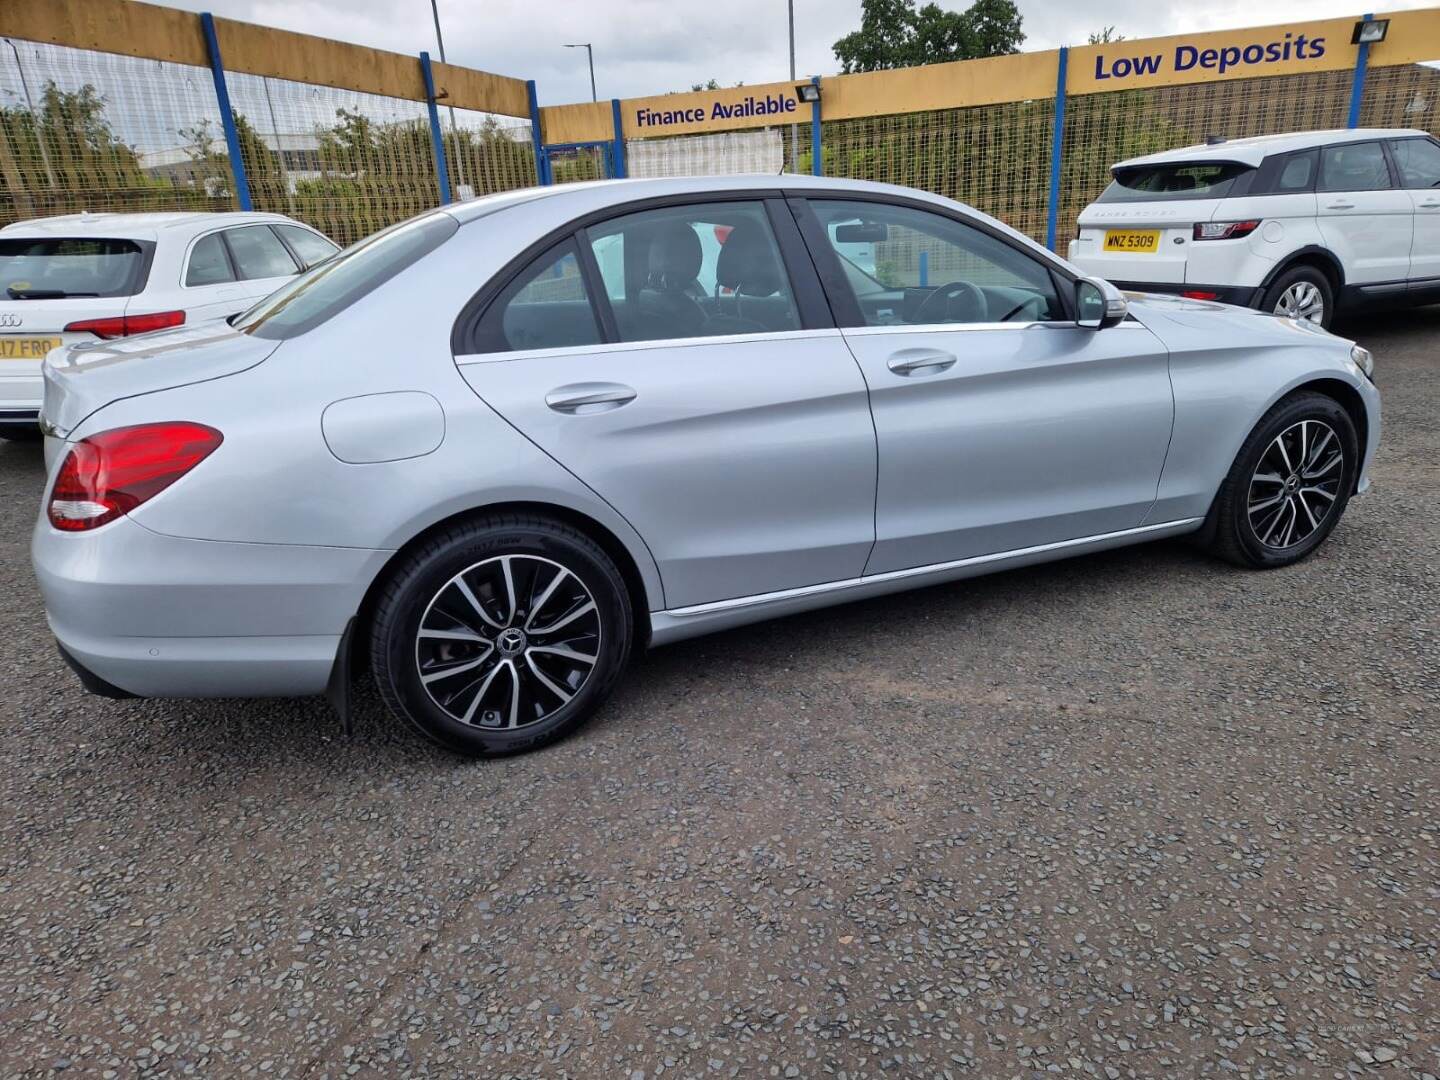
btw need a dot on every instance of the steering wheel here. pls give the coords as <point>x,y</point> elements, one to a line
<point>969,302</point>
<point>1034,308</point>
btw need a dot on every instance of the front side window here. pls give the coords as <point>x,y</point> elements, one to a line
<point>209,264</point>
<point>323,292</point>
<point>914,267</point>
<point>1418,161</point>
<point>258,253</point>
<point>46,268</point>
<point>694,271</point>
<point>547,306</point>
<point>1354,167</point>
<point>1176,180</point>
<point>311,247</point>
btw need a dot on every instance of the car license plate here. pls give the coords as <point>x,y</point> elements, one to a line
<point>26,348</point>
<point>1137,241</point>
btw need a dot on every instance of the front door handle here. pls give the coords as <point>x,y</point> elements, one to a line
<point>1341,206</point>
<point>920,362</point>
<point>580,399</point>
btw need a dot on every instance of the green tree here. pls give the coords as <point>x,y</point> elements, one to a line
<point>897,34</point>
<point>1106,36</point>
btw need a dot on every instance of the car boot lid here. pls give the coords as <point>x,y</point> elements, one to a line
<point>81,378</point>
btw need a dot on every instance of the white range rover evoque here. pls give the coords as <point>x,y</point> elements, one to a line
<point>1305,224</point>
<point>89,277</point>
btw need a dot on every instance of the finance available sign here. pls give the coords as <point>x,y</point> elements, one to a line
<point>729,109</point>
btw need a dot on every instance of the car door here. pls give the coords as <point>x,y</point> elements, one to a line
<point>1417,166</point>
<point>683,369</point>
<point>262,262</point>
<point>208,287</point>
<point>1364,218</point>
<point>1001,423</point>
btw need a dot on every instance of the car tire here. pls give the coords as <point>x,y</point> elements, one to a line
<point>1301,290</point>
<point>1285,493</point>
<point>501,634</point>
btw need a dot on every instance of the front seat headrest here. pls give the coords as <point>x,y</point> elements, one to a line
<point>748,262</point>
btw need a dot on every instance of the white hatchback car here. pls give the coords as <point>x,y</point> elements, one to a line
<point>1303,225</point>
<point>84,277</point>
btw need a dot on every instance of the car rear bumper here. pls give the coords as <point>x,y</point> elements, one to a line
<point>1239,295</point>
<point>158,616</point>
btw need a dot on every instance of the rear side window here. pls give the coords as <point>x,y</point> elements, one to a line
<point>258,253</point>
<point>1354,167</point>
<point>1418,161</point>
<point>545,307</point>
<point>326,290</point>
<point>209,265</point>
<point>311,247</point>
<point>40,269</point>
<point>1177,180</point>
<point>1297,173</point>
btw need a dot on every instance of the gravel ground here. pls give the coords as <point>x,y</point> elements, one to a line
<point>1133,815</point>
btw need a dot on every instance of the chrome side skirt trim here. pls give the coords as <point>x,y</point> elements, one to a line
<point>739,602</point>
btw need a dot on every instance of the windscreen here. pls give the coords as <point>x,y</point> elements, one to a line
<point>56,267</point>
<point>1176,180</point>
<point>329,288</point>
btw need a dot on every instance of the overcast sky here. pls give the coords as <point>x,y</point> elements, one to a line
<point>652,46</point>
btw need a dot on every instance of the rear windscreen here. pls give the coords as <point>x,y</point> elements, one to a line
<point>1181,180</point>
<point>54,268</point>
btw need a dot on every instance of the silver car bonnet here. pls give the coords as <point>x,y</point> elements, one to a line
<point>79,379</point>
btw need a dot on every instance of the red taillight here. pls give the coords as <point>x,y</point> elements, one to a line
<point>125,325</point>
<point>109,474</point>
<point>1199,294</point>
<point>1224,230</point>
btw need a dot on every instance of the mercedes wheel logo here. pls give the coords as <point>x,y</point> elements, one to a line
<point>10,320</point>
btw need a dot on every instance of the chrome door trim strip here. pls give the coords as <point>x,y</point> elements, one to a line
<point>636,346</point>
<point>953,328</point>
<point>716,606</point>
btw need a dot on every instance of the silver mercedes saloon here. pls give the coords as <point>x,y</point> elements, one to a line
<point>487,455</point>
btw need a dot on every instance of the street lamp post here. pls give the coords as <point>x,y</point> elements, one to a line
<point>591,54</point>
<point>454,127</point>
<point>794,130</point>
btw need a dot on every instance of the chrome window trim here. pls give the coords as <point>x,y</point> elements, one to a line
<point>716,606</point>
<point>602,348</point>
<point>950,328</point>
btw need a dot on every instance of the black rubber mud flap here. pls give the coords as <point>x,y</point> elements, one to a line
<point>337,690</point>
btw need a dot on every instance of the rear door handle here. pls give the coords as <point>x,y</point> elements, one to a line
<point>1430,206</point>
<point>580,399</point>
<point>1341,206</point>
<point>919,362</point>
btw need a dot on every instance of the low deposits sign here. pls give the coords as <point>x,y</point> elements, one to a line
<point>1196,58</point>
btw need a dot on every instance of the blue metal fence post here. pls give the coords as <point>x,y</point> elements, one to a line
<point>542,166</point>
<point>817,167</point>
<point>1057,138</point>
<point>227,117</point>
<point>618,155</point>
<point>437,140</point>
<point>1357,84</point>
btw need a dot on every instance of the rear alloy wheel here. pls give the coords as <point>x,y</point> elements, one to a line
<point>493,639</point>
<point>1288,485</point>
<point>1303,293</point>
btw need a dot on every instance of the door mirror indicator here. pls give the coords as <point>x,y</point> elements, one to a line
<point>1098,304</point>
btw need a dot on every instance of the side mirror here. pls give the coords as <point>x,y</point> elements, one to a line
<point>1098,304</point>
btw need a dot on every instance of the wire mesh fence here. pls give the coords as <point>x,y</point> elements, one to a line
<point>87,131</point>
<point>996,157</point>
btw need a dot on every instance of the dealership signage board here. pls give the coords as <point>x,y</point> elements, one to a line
<point>1304,47</point>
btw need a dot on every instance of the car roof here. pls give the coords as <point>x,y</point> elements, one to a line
<point>1254,150</point>
<point>135,226</point>
<point>575,200</point>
